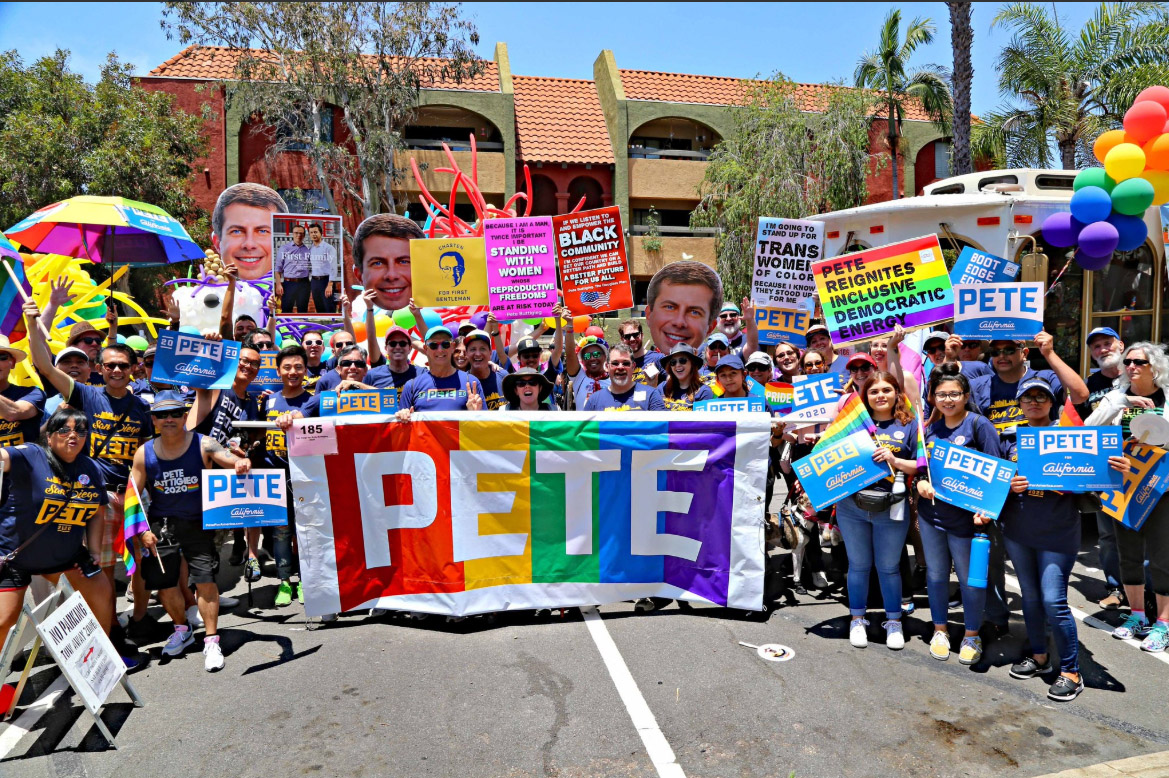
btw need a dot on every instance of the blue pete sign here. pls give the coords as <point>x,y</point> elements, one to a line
<point>189,360</point>
<point>814,399</point>
<point>1012,311</point>
<point>267,377</point>
<point>1069,459</point>
<point>782,325</point>
<point>978,267</point>
<point>969,479</point>
<point>830,475</point>
<point>377,401</point>
<point>258,499</point>
<point>733,405</point>
<point>1141,487</point>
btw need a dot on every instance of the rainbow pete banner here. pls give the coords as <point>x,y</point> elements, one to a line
<point>464,513</point>
<point>866,294</point>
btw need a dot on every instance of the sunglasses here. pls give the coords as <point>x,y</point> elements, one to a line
<point>116,365</point>
<point>351,363</point>
<point>176,413</point>
<point>527,382</point>
<point>593,355</point>
<point>717,347</point>
<point>308,343</point>
<point>91,341</point>
<point>935,349</point>
<point>80,431</point>
<point>1137,362</point>
<point>264,346</point>
<point>860,369</point>
<point>439,345</point>
<point>1007,351</point>
<point>678,361</point>
<point>631,336</point>
<point>398,343</point>
<point>1035,399</point>
<point>728,316</point>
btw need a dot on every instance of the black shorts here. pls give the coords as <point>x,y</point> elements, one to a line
<point>197,546</point>
<point>14,577</point>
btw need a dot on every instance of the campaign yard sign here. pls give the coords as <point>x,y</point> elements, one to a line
<point>266,377</point>
<point>521,267</point>
<point>1069,459</point>
<point>969,479</point>
<point>377,401</point>
<point>869,293</point>
<point>258,499</point>
<point>978,267</point>
<point>833,473</point>
<point>733,405</point>
<point>448,272</point>
<point>189,360</point>
<point>814,399</point>
<point>1141,487</point>
<point>594,270</point>
<point>1010,311</point>
<point>782,325</point>
<point>782,286</point>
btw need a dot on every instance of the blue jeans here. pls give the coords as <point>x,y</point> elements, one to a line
<point>296,292</point>
<point>872,539</point>
<point>1043,579</point>
<point>940,548</point>
<point>1109,553</point>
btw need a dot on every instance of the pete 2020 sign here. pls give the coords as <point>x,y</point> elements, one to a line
<point>189,360</point>
<point>969,479</point>
<point>783,286</point>
<point>1012,311</point>
<point>814,399</point>
<point>448,272</point>
<point>1069,459</point>
<point>258,499</point>
<point>461,513</point>
<point>1142,486</point>
<point>844,468</point>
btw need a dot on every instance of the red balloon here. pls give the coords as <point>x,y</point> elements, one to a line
<point>1154,94</point>
<point>595,331</point>
<point>1145,120</point>
<point>7,692</point>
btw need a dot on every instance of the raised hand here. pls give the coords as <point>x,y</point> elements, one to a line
<point>474,399</point>
<point>61,293</point>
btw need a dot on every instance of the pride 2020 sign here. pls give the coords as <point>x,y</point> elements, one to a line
<point>461,513</point>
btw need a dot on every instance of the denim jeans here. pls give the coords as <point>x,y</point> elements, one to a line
<point>940,548</point>
<point>1109,553</point>
<point>872,539</point>
<point>1043,580</point>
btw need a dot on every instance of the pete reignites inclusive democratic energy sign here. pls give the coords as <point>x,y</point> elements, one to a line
<point>189,360</point>
<point>1011,311</point>
<point>969,479</point>
<point>258,499</point>
<point>783,287</point>
<point>830,475</point>
<point>1069,459</point>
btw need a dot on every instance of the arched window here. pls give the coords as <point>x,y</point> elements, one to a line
<point>588,188</point>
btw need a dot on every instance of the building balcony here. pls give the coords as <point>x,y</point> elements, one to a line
<point>663,180</point>
<point>492,167</point>
<point>646,263</point>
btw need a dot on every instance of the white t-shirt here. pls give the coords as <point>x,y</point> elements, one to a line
<point>583,388</point>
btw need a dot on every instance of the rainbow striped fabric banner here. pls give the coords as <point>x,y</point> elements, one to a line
<point>463,513</point>
<point>133,524</point>
<point>868,293</point>
<point>852,417</point>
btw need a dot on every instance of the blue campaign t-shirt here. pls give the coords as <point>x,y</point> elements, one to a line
<point>1040,519</point>
<point>647,368</point>
<point>639,398</point>
<point>426,392</point>
<point>113,447</point>
<point>174,484</point>
<point>974,432</point>
<point>679,400</point>
<point>40,496</point>
<point>228,408</point>
<point>275,441</point>
<point>14,433</point>
<point>997,400</point>
<point>384,378</point>
<point>899,438</point>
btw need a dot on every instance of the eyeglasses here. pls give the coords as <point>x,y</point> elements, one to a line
<point>90,341</point>
<point>176,413</point>
<point>728,316</point>
<point>398,343</point>
<point>116,365</point>
<point>622,363</point>
<point>80,431</point>
<point>1006,351</point>
<point>527,382</point>
<point>949,395</point>
<point>1034,399</point>
<point>351,363</point>
<point>630,335</point>
<point>439,345</point>
<point>252,363</point>
<point>1137,362</point>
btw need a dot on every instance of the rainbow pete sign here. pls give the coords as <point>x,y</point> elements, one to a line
<point>867,294</point>
<point>463,513</point>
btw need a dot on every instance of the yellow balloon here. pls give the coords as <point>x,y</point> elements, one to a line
<point>550,322</point>
<point>382,324</point>
<point>1124,161</point>
<point>1160,181</point>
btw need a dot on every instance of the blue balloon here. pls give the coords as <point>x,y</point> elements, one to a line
<point>188,329</point>
<point>430,318</point>
<point>1091,204</point>
<point>1132,231</point>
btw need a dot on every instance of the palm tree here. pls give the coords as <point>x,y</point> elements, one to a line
<point>887,71</point>
<point>961,39</point>
<point>1062,90</point>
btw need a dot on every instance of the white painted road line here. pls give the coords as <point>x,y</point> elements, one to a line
<point>1096,623</point>
<point>659,750</point>
<point>11,734</point>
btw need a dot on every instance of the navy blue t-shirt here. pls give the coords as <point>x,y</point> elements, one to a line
<point>639,398</point>
<point>679,400</point>
<point>14,433</point>
<point>491,390</point>
<point>384,378</point>
<point>997,400</point>
<point>974,432</point>
<point>1045,520</point>
<point>275,441</point>
<point>647,368</point>
<point>40,497</point>
<point>113,449</point>
<point>228,408</point>
<point>426,392</point>
<point>174,484</point>
<point>899,438</point>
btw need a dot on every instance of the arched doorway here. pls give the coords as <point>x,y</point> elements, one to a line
<point>543,197</point>
<point>588,188</point>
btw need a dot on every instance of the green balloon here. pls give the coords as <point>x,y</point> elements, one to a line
<point>1132,197</point>
<point>138,343</point>
<point>533,322</point>
<point>403,318</point>
<point>1093,176</point>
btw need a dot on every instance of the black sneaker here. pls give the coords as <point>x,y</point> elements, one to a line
<point>237,555</point>
<point>1065,689</point>
<point>142,629</point>
<point>1029,668</point>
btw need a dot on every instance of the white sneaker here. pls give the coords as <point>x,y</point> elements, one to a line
<point>819,581</point>
<point>228,602</point>
<point>212,656</point>
<point>856,633</point>
<point>894,637</point>
<point>178,641</point>
<point>194,619</point>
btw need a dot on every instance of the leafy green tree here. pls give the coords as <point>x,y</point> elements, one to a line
<point>783,162</point>
<point>1062,89</point>
<point>886,70</point>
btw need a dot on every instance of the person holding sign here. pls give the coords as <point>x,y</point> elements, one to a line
<point>381,258</point>
<point>1141,389</point>
<point>947,531</point>
<point>623,393</point>
<point>170,469</point>
<point>398,370</point>
<point>51,519</point>
<point>996,396</point>
<point>682,387</point>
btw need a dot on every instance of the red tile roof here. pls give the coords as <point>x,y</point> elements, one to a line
<point>560,120</point>
<point>218,63</point>
<point>716,90</point>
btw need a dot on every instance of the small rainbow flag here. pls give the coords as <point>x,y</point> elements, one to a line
<point>135,524</point>
<point>779,396</point>
<point>922,456</point>
<point>1068,417</point>
<point>11,300</point>
<point>852,417</point>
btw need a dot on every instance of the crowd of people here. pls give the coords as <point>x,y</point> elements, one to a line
<point>112,430</point>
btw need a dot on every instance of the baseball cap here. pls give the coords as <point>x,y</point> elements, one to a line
<point>67,351</point>
<point>150,352</point>
<point>527,344</point>
<point>1101,331</point>
<point>760,358</point>
<point>935,335</point>
<point>1034,383</point>
<point>730,308</point>
<point>730,360</point>
<point>718,337</point>
<point>862,357</point>
<point>468,326</point>
<point>396,330</point>
<point>167,400</point>
<point>439,329</point>
<point>473,335</point>
<point>815,328</point>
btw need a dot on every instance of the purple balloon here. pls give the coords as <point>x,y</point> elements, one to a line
<point>1092,263</point>
<point>479,320</point>
<point>1061,230</point>
<point>1099,239</point>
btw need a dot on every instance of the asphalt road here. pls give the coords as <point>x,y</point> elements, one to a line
<point>520,696</point>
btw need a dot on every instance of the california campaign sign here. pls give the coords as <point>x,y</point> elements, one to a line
<point>845,468</point>
<point>467,512</point>
<point>969,479</point>
<point>978,267</point>
<point>1141,488</point>
<point>1069,459</point>
<point>814,399</point>
<point>258,499</point>
<point>1012,311</point>
<point>189,360</point>
<point>376,401</point>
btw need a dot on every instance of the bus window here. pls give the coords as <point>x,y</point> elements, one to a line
<point>1007,179</point>
<point>1126,284</point>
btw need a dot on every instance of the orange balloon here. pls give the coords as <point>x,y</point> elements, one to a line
<point>580,323</point>
<point>1157,153</point>
<point>1160,181</point>
<point>359,331</point>
<point>1108,141</point>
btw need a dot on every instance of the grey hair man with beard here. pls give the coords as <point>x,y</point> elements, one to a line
<point>1107,350</point>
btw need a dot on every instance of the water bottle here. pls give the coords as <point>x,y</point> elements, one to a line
<point>979,561</point>
<point>897,512</point>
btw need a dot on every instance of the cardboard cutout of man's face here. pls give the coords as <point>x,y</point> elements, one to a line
<point>246,240</point>
<point>386,270</point>
<point>680,314</point>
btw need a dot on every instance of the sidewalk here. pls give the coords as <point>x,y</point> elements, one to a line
<point>1149,766</point>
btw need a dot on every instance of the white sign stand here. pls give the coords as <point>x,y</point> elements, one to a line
<point>65,625</point>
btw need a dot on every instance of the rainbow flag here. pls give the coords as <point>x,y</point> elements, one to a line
<point>11,300</point>
<point>851,418</point>
<point>922,457</point>
<point>1068,417</point>
<point>779,396</point>
<point>135,524</point>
